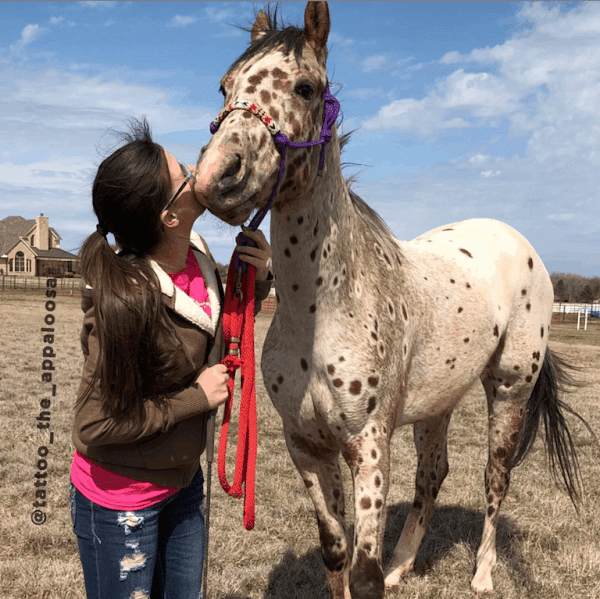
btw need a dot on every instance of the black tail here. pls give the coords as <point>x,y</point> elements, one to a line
<point>545,404</point>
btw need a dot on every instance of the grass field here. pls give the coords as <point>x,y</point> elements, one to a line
<point>546,551</point>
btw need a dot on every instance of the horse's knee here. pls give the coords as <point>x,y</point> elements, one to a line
<point>366,578</point>
<point>334,549</point>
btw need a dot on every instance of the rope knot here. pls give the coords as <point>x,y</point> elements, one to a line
<point>281,140</point>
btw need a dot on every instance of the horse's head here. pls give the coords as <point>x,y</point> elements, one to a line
<point>283,73</point>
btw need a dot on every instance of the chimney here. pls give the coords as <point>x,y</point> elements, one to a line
<point>42,232</point>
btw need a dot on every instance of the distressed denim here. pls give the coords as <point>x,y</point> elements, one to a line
<point>153,553</point>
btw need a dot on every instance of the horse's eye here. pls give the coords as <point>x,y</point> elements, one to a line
<point>304,90</point>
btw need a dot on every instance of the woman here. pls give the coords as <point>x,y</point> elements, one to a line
<point>152,342</point>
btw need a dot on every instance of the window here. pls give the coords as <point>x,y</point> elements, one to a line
<point>19,262</point>
<point>32,240</point>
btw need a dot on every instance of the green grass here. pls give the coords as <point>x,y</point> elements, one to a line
<point>545,549</point>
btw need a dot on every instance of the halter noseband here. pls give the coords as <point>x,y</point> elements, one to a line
<point>332,107</point>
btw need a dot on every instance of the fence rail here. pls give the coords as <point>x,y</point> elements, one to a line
<point>34,284</point>
<point>561,308</point>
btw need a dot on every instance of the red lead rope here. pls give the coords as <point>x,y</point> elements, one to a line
<point>238,330</point>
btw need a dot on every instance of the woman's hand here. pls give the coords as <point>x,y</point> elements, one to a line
<point>259,256</point>
<point>213,381</point>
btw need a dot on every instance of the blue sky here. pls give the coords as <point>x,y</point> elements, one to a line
<point>460,109</point>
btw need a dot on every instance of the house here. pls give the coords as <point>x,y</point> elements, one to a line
<point>32,248</point>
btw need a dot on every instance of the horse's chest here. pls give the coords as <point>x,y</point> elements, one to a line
<point>330,381</point>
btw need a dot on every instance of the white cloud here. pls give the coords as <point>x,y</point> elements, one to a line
<point>29,34</point>
<point>478,159</point>
<point>373,63</point>
<point>421,117</point>
<point>179,21</point>
<point>219,15</point>
<point>452,58</point>
<point>335,39</point>
<point>60,21</point>
<point>481,94</point>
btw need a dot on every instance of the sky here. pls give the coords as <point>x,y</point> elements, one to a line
<point>459,109</point>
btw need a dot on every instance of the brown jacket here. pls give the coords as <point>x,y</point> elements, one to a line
<point>166,446</point>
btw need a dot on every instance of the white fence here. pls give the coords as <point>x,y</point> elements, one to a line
<point>592,309</point>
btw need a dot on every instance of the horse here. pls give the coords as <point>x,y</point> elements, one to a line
<point>371,333</point>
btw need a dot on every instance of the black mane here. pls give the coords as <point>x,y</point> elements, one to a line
<point>278,34</point>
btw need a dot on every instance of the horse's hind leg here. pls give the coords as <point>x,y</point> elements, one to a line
<point>508,388</point>
<point>431,444</point>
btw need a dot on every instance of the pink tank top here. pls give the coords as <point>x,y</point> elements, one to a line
<point>114,491</point>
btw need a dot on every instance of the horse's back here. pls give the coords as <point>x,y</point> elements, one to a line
<point>488,251</point>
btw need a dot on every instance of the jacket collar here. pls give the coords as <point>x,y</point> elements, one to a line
<point>182,303</point>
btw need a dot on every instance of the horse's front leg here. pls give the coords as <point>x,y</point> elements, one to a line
<point>369,460</point>
<point>320,470</point>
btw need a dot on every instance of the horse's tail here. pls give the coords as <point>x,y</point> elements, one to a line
<point>544,403</point>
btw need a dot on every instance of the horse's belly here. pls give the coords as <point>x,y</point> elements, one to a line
<point>441,397</point>
<point>448,359</point>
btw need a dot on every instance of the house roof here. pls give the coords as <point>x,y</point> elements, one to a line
<point>13,228</point>
<point>54,253</point>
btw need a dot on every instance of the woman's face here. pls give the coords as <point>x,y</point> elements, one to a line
<point>186,201</point>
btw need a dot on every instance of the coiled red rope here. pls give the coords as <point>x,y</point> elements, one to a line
<point>238,330</point>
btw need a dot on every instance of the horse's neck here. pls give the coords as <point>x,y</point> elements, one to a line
<point>306,233</point>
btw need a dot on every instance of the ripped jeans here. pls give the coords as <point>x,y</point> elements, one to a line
<point>153,553</point>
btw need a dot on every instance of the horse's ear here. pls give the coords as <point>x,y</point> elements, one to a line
<point>260,27</point>
<point>316,26</point>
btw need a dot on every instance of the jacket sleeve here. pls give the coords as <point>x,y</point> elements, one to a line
<point>93,426</point>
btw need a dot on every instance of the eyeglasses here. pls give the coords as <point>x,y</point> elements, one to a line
<point>189,176</point>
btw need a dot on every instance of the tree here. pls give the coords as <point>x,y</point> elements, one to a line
<point>560,291</point>
<point>586,295</point>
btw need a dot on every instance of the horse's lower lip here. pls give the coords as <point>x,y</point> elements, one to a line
<point>225,213</point>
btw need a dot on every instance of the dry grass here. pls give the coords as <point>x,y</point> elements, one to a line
<point>545,549</point>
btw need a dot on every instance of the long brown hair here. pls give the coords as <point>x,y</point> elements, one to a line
<point>130,190</point>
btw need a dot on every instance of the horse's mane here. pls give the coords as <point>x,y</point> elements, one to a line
<point>372,220</point>
<point>288,36</point>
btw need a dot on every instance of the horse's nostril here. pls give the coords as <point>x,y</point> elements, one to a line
<point>234,168</point>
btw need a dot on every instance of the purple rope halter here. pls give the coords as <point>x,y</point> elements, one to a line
<point>332,108</point>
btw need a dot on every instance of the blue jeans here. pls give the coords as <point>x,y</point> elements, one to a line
<point>153,553</point>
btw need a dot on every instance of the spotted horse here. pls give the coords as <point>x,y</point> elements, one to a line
<point>372,333</point>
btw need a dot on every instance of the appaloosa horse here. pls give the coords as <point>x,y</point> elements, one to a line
<point>372,333</point>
